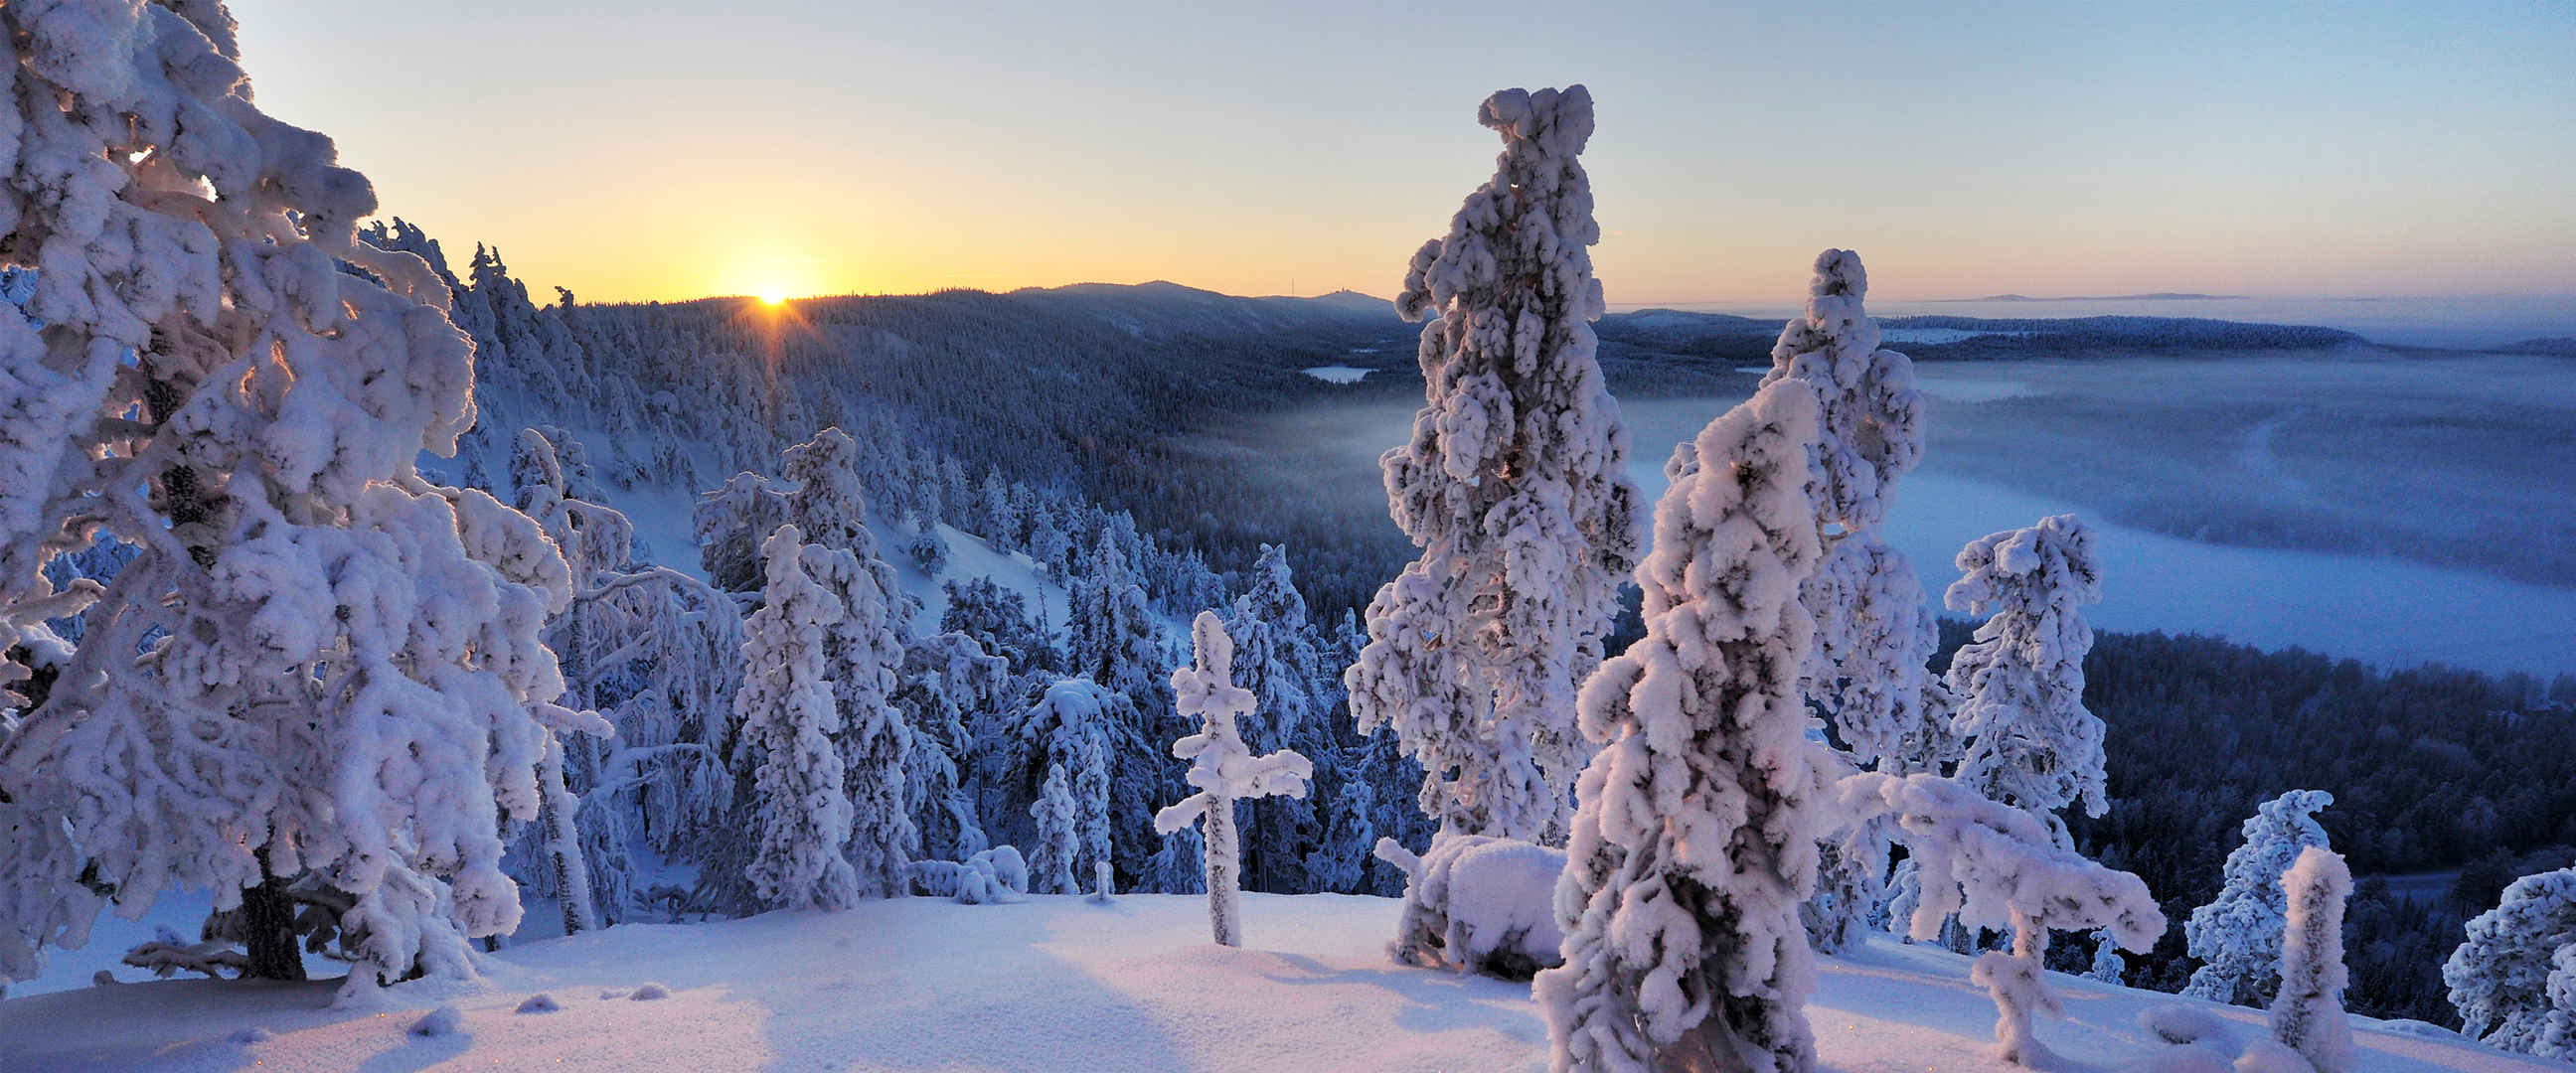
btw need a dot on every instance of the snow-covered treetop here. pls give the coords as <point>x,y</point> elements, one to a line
<point>2048,567</point>
<point>1206,688</point>
<point>1873,415</point>
<point>1514,484</point>
<point>2020,681</point>
<point>825,498</point>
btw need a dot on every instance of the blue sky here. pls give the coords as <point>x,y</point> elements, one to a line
<point>650,150</point>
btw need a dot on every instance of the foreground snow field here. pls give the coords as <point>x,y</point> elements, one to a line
<point>1053,983</point>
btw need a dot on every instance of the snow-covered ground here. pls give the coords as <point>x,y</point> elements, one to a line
<point>1053,983</point>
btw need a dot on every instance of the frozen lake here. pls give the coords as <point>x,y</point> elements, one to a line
<point>2470,321</point>
<point>2399,511</point>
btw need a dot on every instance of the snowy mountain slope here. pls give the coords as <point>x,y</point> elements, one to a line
<point>1055,984</point>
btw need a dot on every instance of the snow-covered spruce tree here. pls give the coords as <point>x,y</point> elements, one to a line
<point>594,542</point>
<point>730,524</point>
<point>825,501</point>
<point>1074,727</point>
<point>2307,1015</point>
<point>2509,979</point>
<point>1339,862</point>
<point>801,817</point>
<point>2019,683</point>
<point>2108,966</point>
<point>1222,769</point>
<point>862,657</point>
<point>1994,866</point>
<point>1873,633</point>
<point>1866,673</point>
<point>2237,936</point>
<point>1694,836</point>
<point>1051,859</point>
<point>320,669</point>
<point>1514,485</point>
<point>1117,641</point>
<point>1275,657</point>
<point>953,692</point>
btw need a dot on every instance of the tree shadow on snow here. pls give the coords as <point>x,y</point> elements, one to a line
<point>1435,1000</point>
<point>990,998</point>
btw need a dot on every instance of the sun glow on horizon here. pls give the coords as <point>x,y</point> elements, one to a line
<point>772,297</point>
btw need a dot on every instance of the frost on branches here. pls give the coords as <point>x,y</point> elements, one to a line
<point>801,817</point>
<point>2020,682</point>
<point>2237,936</point>
<point>1514,486</point>
<point>1222,769</point>
<point>1866,672</point>
<point>320,672</point>
<point>1069,732</point>
<point>1694,837</point>
<point>2307,1016</point>
<point>1994,866</point>
<point>2514,979</point>
<point>1051,862</point>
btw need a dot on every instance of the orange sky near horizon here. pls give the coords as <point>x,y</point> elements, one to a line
<point>808,148</point>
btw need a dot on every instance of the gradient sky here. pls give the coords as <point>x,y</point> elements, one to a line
<point>670,150</point>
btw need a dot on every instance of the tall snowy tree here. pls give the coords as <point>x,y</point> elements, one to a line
<point>1275,657</point>
<point>1514,486</point>
<point>1223,770</point>
<point>2237,936</point>
<point>1866,673</point>
<point>1057,843</point>
<point>2511,978</point>
<point>2019,682</point>
<point>953,693</point>
<point>2307,1017</point>
<point>320,671</point>
<point>862,656</point>
<point>731,523</point>
<point>802,816</point>
<point>1075,726</point>
<point>1694,836</point>
<point>825,500</point>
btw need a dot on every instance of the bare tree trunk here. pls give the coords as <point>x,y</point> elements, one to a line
<point>268,928</point>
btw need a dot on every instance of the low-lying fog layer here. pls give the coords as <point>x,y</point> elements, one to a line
<point>2395,510</point>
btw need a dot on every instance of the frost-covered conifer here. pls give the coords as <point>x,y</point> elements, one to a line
<point>1051,859</point>
<point>2019,683</point>
<point>1514,485</point>
<point>825,500</point>
<point>1222,769</point>
<point>320,668</point>
<point>1276,657</point>
<point>1995,866</point>
<point>1873,634</point>
<point>2108,966</point>
<point>2237,936</point>
<point>731,523</point>
<point>802,815</point>
<point>1694,836</point>
<point>2511,979</point>
<point>1339,862</point>
<point>1866,672</point>
<point>862,656</point>
<point>952,690</point>
<point>2307,1016</point>
<point>1074,726</point>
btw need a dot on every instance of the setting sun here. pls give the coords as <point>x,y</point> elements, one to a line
<point>773,297</point>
